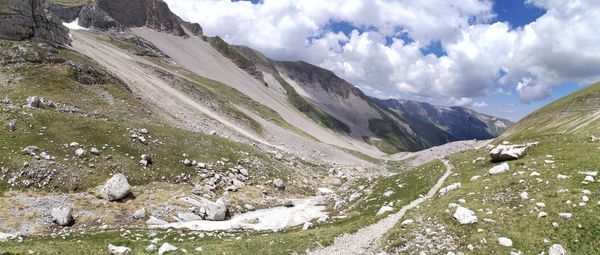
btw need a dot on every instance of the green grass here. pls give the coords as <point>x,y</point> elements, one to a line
<point>313,112</point>
<point>416,181</point>
<point>515,218</point>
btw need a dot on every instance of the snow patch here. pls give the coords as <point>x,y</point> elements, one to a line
<point>275,218</point>
<point>74,25</point>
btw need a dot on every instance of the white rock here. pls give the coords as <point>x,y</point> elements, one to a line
<point>592,173</point>
<point>542,214</point>
<point>152,247</point>
<point>474,178</point>
<point>450,187</point>
<point>562,177</point>
<point>388,193</point>
<point>384,209</point>
<point>534,174</point>
<point>116,188</point>
<point>407,222</point>
<point>199,249</point>
<point>505,242</point>
<point>589,178</point>
<point>74,144</point>
<point>279,184</point>
<point>80,153</point>
<point>464,215</point>
<point>139,214</point>
<point>557,249</point>
<point>566,215</point>
<point>95,151</point>
<point>145,160</point>
<point>499,168</point>
<point>118,250</point>
<point>585,199</point>
<point>5,237</point>
<point>524,195</point>
<point>153,221</point>
<point>505,152</point>
<point>144,131</point>
<point>166,248</point>
<point>62,215</point>
<point>306,225</point>
<point>540,204</point>
<point>187,162</point>
<point>187,216</point>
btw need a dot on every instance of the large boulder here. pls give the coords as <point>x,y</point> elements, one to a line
<point>465,215</point>
<point>31,20</point>
<point>506,152</point>
<point>62,215</point>
<point>215,211</point>
<point>116,188</point>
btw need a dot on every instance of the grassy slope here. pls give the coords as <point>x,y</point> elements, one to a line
<point>416,181</point>
<point>515,217</point>
<point>562,116</point>
<point>313,112</point>
<point>116,110</point>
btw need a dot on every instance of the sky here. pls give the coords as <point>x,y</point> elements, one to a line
<point>501,57</point>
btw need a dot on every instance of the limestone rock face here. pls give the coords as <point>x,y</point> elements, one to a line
<point>31,20</point>
<point>154,14</point>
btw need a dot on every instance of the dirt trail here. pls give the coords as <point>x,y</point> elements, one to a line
<point>365,240</point>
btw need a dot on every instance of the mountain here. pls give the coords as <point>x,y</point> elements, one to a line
<point>391,125</point>
<point>319,94</point>
<point>132,130</point>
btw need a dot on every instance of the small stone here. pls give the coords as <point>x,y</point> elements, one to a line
<point>11,126</point>
<point>139,214</point>
<point>144,131</point>
<point>499,169</point>
<point>279,184</point>
<point>95,151</point>
<point>166,248</point>
<point>62,216</point>
<point>118,250</point>
<point>145,160</point>
<point>557,249</point>
<point>80,153</point>
<point>152,247</point>
<point>464,215</point>
<point>288,203</point>
<point>505,242</point>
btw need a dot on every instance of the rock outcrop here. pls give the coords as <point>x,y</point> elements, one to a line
<point>31,20</point>
<point>154,14</point>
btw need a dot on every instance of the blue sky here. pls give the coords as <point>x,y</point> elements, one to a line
<point>505,58</point>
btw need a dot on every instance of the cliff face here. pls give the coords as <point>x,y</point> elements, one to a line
<point>31,20</point>
<point>154,14</point>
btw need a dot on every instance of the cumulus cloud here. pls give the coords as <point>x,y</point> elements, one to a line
<point>483,57</point>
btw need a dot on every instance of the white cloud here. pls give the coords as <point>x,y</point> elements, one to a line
<point>463,101</point>
<point>480,105</point>
<point>560,46</point>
